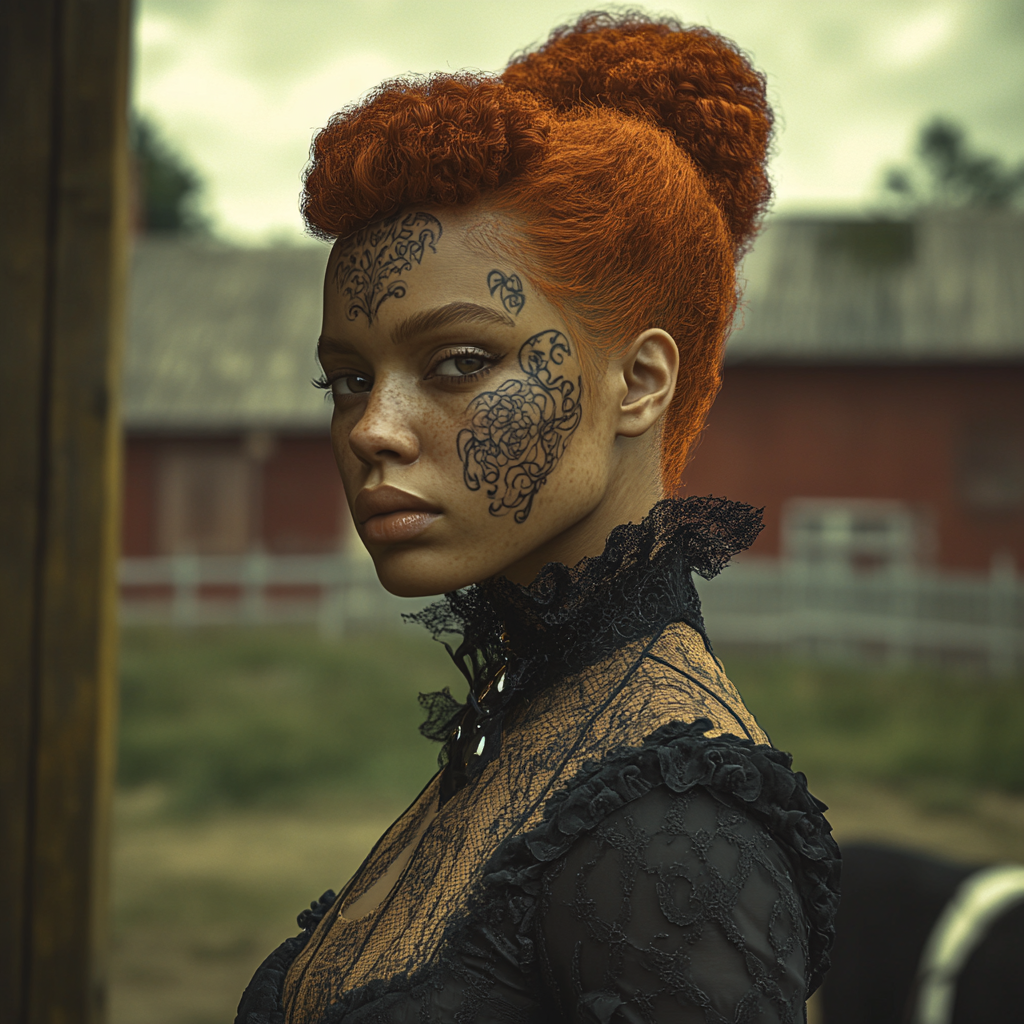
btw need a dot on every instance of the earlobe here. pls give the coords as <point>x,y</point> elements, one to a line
<point>649,368</point>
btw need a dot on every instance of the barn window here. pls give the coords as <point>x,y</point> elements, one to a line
<point>854,534</point>
<point>992,466</point>
<point>205,501</point>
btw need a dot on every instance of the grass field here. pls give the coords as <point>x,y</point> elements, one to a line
<point>258,767</point>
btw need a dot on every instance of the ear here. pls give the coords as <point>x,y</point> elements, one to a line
<point>649,370</point>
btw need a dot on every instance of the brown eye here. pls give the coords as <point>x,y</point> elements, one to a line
<point>353,384</point>
<point>461,366</point>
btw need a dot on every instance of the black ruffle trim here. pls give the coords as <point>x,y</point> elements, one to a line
<point>754,777</point>
<point>261,1000</point>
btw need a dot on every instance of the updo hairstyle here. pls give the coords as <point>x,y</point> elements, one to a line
<point>627,154</point>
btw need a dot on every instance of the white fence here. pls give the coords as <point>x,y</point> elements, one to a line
<point>899,615</point>
<point>337,592</point>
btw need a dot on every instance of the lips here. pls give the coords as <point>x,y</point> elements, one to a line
<point>387,515</point>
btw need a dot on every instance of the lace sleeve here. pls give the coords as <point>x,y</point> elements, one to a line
<point>679,908</point>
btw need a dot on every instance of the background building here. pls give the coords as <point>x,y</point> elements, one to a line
<point>227,447</point>
<point>878,375</point>
<point>878,372</point>
<point>873,404</point>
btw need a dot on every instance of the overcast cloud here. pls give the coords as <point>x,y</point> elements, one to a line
<point>239,86</point>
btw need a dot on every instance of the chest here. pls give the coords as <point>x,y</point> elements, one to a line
<point>420,946</point>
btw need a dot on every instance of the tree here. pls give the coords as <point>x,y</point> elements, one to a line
<point>167,187</point>
<point>948,173</point>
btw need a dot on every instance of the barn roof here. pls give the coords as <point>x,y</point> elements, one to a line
<point>948,287</point>
<point>225,338</point>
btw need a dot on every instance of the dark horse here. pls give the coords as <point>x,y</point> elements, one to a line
<point>924,941</point>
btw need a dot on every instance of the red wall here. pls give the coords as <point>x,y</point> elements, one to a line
<point>777,432</point>
<point>138,509</point>
<point>303,500</point>
<point>301,505</point>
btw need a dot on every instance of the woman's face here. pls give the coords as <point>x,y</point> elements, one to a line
<point>468,443</point>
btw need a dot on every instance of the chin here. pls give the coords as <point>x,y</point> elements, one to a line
<point>422,573</point>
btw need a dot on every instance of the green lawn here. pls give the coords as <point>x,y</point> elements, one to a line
<point>913,726</point>
<point>219,717</point>
<point>236,717</point>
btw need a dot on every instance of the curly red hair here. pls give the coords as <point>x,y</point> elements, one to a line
<point>628,154</point>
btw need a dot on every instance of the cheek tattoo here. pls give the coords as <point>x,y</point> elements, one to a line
<point>379,254</point>
<point>520,431</point>
<point>512,297</point>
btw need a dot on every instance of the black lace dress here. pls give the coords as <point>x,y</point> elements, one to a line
<point>611,839</point>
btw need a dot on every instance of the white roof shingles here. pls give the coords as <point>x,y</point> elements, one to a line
<point>949,287</point>
<point>222,338</point>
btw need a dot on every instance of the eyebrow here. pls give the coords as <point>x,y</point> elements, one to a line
<point>447,316</point>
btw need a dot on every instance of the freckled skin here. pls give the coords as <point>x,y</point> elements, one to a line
<point>400,408</point>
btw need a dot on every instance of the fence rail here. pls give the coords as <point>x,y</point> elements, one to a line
<point>900,615</point>
<point>337,592</point>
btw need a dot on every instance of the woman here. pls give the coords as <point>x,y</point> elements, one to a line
<point>524,314</point>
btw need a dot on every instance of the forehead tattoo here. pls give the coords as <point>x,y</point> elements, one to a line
<point>370,267</point>
<point>511,288</point>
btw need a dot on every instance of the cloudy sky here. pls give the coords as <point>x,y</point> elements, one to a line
<point>239,86</point>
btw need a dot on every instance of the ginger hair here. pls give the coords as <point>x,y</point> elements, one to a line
<point>628,154</point>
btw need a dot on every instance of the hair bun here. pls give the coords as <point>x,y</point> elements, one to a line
<point>688,81</point>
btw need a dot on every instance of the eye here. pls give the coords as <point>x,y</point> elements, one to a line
<point>352,384</point>
<point>464,365</point>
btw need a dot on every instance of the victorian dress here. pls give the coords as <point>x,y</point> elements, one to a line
<point>611,837</point>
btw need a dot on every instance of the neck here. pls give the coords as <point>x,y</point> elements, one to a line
<point>628,499</point>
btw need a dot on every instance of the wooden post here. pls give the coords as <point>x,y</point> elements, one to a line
<point>63,227</point>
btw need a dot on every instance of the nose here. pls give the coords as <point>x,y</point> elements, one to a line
<point>383,433</point>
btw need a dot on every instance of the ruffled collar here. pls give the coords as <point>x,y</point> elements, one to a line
<point>569,618</point>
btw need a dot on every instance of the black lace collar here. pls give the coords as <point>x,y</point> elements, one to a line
<point>569,618</point>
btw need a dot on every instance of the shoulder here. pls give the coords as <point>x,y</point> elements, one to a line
<point>755,780</point>
<point>691,683</point>
<point>675,900</point>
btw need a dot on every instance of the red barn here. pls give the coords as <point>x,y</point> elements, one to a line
<point>876,384</point>
<point>879,372</point>
<point>227,446</point>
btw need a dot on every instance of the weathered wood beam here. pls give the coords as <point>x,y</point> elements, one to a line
<point>63,227</point>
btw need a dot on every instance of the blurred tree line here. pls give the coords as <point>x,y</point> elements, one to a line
<point>946,172</point>
<point>167,188</point>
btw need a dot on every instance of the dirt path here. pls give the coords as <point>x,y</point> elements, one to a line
<point>975,828</point>
<point>198,905</point>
